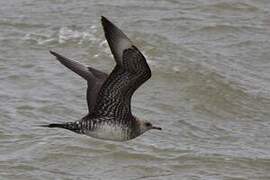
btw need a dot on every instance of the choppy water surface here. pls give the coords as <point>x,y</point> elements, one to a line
<point>210,89</point>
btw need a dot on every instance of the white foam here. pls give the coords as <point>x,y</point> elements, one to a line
<point>66,34</point>
<point>63,35</point>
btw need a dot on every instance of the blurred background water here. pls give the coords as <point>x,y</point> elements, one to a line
<point>210,89</point>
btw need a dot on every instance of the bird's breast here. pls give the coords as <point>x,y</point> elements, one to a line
<point>108,131</point>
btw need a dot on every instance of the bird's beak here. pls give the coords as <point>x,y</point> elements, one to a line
<point>158,128</point>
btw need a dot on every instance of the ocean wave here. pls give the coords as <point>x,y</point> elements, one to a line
<point>63,35</point>
<point>19,23</point>
<point>229,6</point>
<point>66,34</point>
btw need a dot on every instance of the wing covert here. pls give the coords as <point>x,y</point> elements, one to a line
<point>115,94</point>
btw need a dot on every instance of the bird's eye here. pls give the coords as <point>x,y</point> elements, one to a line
<point>148,124</point>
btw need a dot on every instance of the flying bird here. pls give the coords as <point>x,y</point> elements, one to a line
<point>109,96</point>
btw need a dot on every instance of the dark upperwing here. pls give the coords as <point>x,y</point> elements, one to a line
<point>130,72</point>
<point>94,77</point>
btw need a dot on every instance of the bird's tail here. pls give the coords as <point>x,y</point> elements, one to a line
<point>73,126</point>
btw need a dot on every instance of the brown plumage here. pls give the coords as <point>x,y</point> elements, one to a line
<point>109,96</point>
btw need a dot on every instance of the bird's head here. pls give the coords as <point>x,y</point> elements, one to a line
<point>145,126</point>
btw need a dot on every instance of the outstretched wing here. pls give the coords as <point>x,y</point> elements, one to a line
<point>116,39</point>
<point>130,72</point>
<point>94,77</point>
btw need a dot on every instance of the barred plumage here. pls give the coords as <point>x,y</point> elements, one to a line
<point>109,96</point>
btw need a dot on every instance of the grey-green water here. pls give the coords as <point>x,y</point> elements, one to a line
<point>210,89</point>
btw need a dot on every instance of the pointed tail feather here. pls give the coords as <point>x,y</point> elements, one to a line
<point>73,126</point>
<point>54,125</point>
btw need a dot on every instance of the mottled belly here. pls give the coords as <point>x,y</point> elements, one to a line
<point>109,132</point>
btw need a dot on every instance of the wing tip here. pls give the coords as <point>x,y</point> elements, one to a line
<point>104,19</point>
<point>111,30</point>
<point>58,56</point>
<point>54,53</point>
<point>105,22</point>
<point>107,25</point>
<point>117,39</point>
